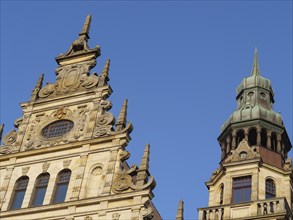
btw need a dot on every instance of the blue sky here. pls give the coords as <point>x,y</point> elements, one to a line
<point>177,62</point>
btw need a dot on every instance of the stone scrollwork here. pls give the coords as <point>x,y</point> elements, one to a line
<point>5,150</point>
<point>90,81</point>
<point>9,138</point>
<point>122,182</point>
<point>147,213</point>
<point>105,120</point>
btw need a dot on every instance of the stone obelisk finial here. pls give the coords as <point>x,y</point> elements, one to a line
<point>122,118</point>
<point>180,211</point>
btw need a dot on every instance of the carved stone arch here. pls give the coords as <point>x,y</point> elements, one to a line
<point>95,180</point>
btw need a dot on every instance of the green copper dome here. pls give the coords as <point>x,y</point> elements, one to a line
<point>255,98</point>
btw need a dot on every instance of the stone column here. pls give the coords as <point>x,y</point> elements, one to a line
<point>258,136</point>
<point>279,147</point>
<point>223,148</point>
<point>228,141</point>
<point>234,140</point>
<point>246,134</point>
<point>269,141</point>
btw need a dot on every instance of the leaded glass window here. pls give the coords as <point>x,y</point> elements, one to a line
<point>61,186</point>
<point>241,189</point>
<point>19,192</point>
<point>270,189</point>
<point>40,189</point>
<point>57,128</point>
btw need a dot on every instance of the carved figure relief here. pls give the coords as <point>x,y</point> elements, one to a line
<point>25,170</point>
<point>45,166</point>
<point>66,163</point>
<point>147,213</point>
<point>116,216</point>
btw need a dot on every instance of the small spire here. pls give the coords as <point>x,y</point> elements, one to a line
<point>122,118</point>
<point>37,88</point>
<point>255,67</point>
<point>86,27</point>
<point>144,164</point>
<point>180,211</point>
<point>104,78</point>
<point>1,131</point>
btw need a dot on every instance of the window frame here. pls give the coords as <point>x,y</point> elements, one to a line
<point>16,191</point>
<point>241,184</point>
<point>59,183</point>
<point>271,193</point>
<point>47,132</point>
<point>37,186</point>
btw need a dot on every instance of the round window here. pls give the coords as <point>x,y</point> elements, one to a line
<point>57,128</point>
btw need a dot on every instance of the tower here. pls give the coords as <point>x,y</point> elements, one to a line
<point>67,158</point>
<point>254,180</point>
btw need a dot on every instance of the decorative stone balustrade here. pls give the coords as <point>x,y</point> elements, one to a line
<point>256,209</point>
<point>212,213</point>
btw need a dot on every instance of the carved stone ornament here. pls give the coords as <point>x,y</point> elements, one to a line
<point>97,170</point>
<point>242,152</point>
<point>105,120</point>
<point>45,166</point>
<point>122,182</point>
<point>147,213</point>
<point>5,150</point>
<point>71,78</point>
<point>124,155</point>
<point>9,138</point>
<point>25,170</point>
<point>66,163</point>
<point>88,218</point>
<point>116,216</point>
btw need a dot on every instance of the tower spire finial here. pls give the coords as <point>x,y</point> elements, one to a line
<point>180,211</point>
<point>86,27</point>
<point>144,164</point>
<point>104,78</point>
<point>255,66</point>
<point>122,118</point>
<point>37,88</point>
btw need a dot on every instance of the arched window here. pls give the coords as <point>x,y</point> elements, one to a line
<point>40,189</point>
<point>239,136</point>
<point>252,137</point>
<point>19,192</point>
<point>222,194</point>
<point>263,135</point>
<point>61,186</point>
<point>270,189</point>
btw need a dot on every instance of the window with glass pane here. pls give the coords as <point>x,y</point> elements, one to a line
<point>61,186</point>
<point>57,128</point>
<point>19,192</point>
<point>241,189</point>
<point>222,194</point>
<point>40,189</point>
<point>270,189</point>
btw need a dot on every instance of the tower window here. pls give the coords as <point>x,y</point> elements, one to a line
<point>270,189</point>
<point>222,194</point>
<point>57,128</point>
<point>61,186</point>
<point>241,189</point>
<point>40,189</point>
<point>19,192</point>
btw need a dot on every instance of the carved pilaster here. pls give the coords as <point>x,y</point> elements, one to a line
<point>110,172</point>
<point>228,141</point>
<point>5,184</point>
<point>79,177</point>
